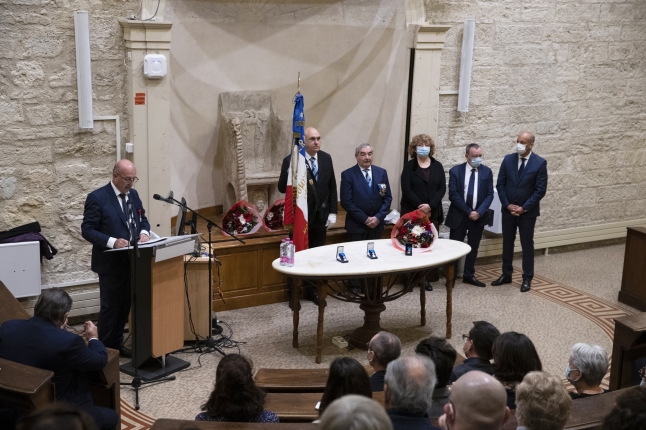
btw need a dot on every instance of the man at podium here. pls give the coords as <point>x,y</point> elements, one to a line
<point>111,213</point>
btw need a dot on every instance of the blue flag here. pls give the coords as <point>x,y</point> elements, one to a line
<point>298,122</point>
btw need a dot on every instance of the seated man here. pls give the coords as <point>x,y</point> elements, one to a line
<point>442,354</point>
<point>477,402</point>
<point>383,348</point>
<point>40,342</point>
<point>477,349</point>
<point>408,388</point>
<point>356,413</point>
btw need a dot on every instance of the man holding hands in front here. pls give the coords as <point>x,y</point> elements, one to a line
<point>522,182</point>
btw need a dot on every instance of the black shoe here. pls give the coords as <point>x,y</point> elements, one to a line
<point>312,295</point>
<point>527,285</point>
<point>125,352</point>
<point>428,286</point>
<point>502,280</point>
<point>471,280</point>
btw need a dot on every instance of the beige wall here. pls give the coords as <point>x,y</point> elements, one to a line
<point>574,73</point>
<point>353,57</point>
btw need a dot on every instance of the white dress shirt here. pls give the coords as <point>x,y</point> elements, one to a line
<point>363,172</point>
<point>520,159</point>
<point>111,241</point>
<point>467,176</point>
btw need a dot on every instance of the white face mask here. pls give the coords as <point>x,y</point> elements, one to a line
<point>520,148</point>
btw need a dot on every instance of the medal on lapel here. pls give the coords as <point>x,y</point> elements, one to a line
<point>382,189</point>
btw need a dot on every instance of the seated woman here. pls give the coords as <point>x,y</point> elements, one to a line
<point>347,376</point>
<point>541,402</point>
<point>586,368</point>
<point>235,397</point>
<point>514,356</point>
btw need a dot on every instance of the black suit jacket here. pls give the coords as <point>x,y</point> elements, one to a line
<point>103,218</point>
<point>459,209</point>
<point>325,187</point>
<point>39,343</point>
<point>361,202</point>
<point>417,190</point>
<point>526,190</point>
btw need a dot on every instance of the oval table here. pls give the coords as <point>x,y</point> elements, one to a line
<point>379,280</point>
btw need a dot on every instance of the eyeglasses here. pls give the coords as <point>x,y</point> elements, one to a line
<point>465,337</point>
<point>368,346</point>
<point>133,180</point>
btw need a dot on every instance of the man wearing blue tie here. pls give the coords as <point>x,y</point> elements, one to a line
<point>366,197</point>
<point>522,182</point>
<point>471,194</point>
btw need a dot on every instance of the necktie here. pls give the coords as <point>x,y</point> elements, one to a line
<point>472,182</point>
<point>522,166</point>
<point>122,196</point>
<point>315,170</point>
<point>368,179</point>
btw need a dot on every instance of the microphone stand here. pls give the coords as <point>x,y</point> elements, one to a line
<point>210,342</point>
<point>136,382</point>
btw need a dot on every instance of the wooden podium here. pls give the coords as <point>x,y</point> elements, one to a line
<point>633,281</point>
<point>159,321</point>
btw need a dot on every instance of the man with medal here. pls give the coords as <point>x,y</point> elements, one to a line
<point>366,197</point>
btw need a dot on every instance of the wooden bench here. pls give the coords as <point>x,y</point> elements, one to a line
<point>164,424</point>
<point>629,343</point>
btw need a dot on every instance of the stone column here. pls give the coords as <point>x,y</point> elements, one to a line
<point>426,79</point>
<point>149,117</point>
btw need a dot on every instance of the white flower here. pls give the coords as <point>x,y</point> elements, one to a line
<point>242,220</point>
<point>418,230</point>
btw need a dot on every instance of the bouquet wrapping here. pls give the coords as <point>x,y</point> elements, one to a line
<point>274,217</point>
<point>242,219</point>
<point>414,227</point>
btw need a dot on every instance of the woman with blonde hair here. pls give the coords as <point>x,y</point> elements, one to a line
<point>541,402</point>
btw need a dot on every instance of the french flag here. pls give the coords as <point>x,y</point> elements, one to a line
<point>296,195</point>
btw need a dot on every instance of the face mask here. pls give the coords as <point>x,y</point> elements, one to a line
<point>641,384</point>
<point>520,148</point>
<point>476,162</point>
<point>567,372</point>
<point>423,151</point>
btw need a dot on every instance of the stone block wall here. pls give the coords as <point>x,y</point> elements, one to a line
<point>47,164</point>
<point>574,73</point>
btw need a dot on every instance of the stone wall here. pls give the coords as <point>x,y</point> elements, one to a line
<point>48,165</point>
<point>574,72</point>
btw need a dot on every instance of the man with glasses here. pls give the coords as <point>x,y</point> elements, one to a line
<point>477,349</point>
<point>113,218</point>
<point>383,348</point>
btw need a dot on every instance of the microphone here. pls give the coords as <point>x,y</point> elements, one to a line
<point>163,199</point>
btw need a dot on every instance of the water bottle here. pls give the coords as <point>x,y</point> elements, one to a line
<point>291,249</point>
<point>283,252</point>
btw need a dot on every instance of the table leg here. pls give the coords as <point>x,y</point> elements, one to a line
<point>322,290</point>
<point>296,307</point>
<point>450,279</point>
<point>422,302</point>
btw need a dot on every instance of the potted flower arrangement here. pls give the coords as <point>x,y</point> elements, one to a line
<point>273,219</point>
<point>242,219</point>
<point>416,228</point>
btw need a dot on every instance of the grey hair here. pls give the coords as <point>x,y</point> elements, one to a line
<point>387,347</point>
<point>353,412</point>
<point>53,304</point>
<point>470,146</point>
<point>591,360</point>
<point>408,388</point>
<point>360,147</point>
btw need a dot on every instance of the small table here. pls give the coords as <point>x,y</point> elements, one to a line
<point>378,279</point>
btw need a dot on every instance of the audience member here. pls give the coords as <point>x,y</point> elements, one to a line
<point>477,350</point>
<point>443,356</point>
<point>586,368</point>
<point>541,402</point>
<point>477,402</point>
<point>514,356</point>
<point>57,416</point>
<point>236,398</point>
<point>408,389</point>
<point>629,412</point>
<point>383,348</point>
<point>40,342</point>
<point>347,376</point>
<point>354,412</point>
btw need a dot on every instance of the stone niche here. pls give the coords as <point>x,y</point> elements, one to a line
<point>254,140</point>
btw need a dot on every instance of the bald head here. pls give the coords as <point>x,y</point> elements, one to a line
<point>312,141</point>
<point>478,401</point>
<point>124,175</point>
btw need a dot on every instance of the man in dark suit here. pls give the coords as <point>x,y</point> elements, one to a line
<point>322,200</point>
<point>471,194</point>
<point>477,349</point>
<point>522,182</point>
<point>111,212</point>
<point>40,342</point>
<point>366,197</point>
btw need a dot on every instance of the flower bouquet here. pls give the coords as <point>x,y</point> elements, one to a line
<point>273,219</point>
<point>241,219</point>
<point>414,227</point>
